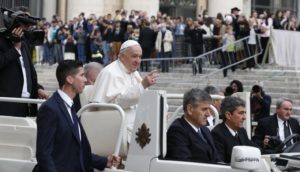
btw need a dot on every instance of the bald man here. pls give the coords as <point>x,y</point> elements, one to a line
<point>120,82</point>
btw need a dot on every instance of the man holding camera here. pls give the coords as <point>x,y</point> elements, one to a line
<point>18,77</point>
<point>279,127</point>
<point>260,103</point>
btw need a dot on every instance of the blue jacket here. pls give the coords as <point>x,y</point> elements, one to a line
<point>58,148</point>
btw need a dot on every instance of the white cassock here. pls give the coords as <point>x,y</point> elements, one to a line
<point>116,85</point>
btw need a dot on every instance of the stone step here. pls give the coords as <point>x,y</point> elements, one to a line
<point>278,81</point>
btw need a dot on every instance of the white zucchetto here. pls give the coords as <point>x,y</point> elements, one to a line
<point>128,43</point>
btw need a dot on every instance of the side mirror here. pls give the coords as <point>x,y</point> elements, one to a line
<point>245,158</point>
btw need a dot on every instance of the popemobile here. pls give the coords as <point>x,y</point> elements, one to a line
<point>105,128</point>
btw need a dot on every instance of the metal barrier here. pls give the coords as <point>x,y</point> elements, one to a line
<point>213,59</point>
<point>21,100</point>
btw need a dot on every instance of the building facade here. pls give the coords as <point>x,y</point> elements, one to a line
<point>68,9</point>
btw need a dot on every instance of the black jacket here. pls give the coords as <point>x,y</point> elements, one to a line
<point>225,141</point>
<point>58,146</point>
<point>269,126</point>
<point>185,144</point>
<point>11,78</point>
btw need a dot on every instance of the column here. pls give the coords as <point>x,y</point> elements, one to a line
<point>247,8</point>
<point>62,9</point>
<point>75,7</point>
<point>49,9</point>
<point>112,5</point>
<point>216,6</point>
<point>150,6</point>
<point>201,6</point>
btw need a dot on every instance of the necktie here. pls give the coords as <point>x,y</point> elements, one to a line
<point>76,129</point>
<point>236,137</point>
<point>201,135</point>
<point>287,131</point>
<point>75,122</point>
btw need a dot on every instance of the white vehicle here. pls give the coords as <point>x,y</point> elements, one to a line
<point>105,128</point>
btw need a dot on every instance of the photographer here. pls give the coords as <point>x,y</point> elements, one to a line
<point>260,103</point>
<point>18,77</point>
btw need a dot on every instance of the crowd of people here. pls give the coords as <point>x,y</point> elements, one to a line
<point>98,38</point>
<point>59,130</point>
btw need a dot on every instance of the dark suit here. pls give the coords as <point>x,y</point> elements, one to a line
<point>196,37</point>
<point>11,78</point>
<point>225,141</point>
<point>58,148</point>
<point>147,42</point>
<point>269,126</point>
<point>185,144</point>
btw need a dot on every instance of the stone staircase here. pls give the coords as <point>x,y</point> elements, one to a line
<point>278,82</point>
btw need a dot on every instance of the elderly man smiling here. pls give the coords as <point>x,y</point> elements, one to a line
<point>120,82</point>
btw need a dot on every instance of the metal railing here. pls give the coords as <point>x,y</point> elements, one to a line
<point>214,56</point>
<point>21,100</point>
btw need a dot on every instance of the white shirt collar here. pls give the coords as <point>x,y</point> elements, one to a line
<point>194,127</point>
<point>65,97</point>
<point>280,121</point>
<point>232,132</point>
<point>123,67</point>
<point>210,120</point>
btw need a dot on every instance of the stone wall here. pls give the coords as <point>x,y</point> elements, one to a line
<point>216,6</point>
<point>150,6</point>
<point>75,7</point>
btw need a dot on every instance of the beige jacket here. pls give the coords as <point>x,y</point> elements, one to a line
<point>168,39</point>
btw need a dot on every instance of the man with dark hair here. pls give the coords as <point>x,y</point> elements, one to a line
<point>18,77</point>
<point>280,125</point>
<point>62,144</point>
<point>260,103</point>
<point>196,33</point>
<point>231,133</point>
<point>188,139</point>
<point>147,42</point>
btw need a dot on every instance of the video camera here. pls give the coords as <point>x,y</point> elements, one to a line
<point>10,20</point>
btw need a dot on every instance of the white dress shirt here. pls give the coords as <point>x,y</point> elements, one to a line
<point>232,132</point>
<point>281,129</point>
<point>68,103</point>
<point>194,127</point>
<point>25,93</point>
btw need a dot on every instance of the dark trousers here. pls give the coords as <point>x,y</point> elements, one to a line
<point>264,43</point>
<point>146,55</point>
<point>165,63</point>
<point>228,58</point>
<point>196,51</point>
<point>251,51</point>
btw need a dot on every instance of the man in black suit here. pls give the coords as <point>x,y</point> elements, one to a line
<point>281,125</point>
<point>235,16</point>
<point>62,144</point>
<point>196,37</point>
<point>187,138</point>
<point>147,41</point>
<point>18,77</point>
<point>231,133</point>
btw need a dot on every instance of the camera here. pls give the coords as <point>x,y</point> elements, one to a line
<point>10,20</point>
